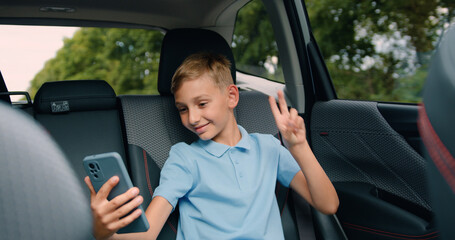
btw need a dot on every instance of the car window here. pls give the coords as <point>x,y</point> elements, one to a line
<point>253,43</point>
<point>127,59</point>
<point>379,50</point>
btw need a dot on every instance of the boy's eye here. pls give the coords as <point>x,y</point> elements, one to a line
<point>202,104</point>
<point>181,110</point>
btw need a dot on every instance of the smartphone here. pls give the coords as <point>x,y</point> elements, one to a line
<point>102,167</point>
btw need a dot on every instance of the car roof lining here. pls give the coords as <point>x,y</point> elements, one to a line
<point>74,23</point>
<point>288,54</point>
<point>168,14</point>
<point>218,16</point>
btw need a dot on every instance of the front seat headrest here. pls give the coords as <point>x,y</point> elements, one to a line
<point>74,95</point>
<point>40,197</point>
<point>437,115</point>
<point>437,129</point>
<point>178,44</point>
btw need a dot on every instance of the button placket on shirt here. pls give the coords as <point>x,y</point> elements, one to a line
<point>235,159</point>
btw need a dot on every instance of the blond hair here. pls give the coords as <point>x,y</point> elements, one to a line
<point>194,66</point>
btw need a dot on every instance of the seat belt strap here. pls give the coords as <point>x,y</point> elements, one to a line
<point>304,218</point>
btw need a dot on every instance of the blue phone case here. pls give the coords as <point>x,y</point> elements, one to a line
<point>102,167</point>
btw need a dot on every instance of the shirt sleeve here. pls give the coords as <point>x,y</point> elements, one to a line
<point>176,178</point>
<point>287,165</point>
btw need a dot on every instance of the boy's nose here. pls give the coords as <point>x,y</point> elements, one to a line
<point>193,116</point>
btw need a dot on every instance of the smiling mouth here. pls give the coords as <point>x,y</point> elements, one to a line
<point>200,129</point>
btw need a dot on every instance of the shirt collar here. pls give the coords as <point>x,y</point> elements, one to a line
<point>218,149</point>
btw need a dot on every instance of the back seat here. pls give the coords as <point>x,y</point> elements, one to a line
<point>82,117</point>
<point>153,125</point>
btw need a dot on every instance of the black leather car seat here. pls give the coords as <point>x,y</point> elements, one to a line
<point>83,118</point>
<point>436,126</point>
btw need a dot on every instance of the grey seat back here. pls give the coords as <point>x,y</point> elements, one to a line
<point>40,196</point>
<point>83,118</point>
<point>153,124</point>
<point>436,118</point>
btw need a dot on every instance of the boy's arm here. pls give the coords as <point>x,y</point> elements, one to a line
<point>109,216</point>
<point>157,213</point>
<point>311,182</point>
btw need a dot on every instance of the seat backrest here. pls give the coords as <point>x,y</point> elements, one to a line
<point>153,124</point>
<point>40,197</point>
<point>436,118</point>
<point>82,117</point>
<point>4,89</point>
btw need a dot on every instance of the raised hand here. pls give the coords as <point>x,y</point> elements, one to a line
<point>110,216</point>
<point>290,124</point>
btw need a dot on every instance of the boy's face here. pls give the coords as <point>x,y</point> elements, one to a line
<point>204,108</point>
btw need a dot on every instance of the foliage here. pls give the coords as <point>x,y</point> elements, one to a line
<point>375,48</point>
<point>253,44</point>
<point>126,58</point>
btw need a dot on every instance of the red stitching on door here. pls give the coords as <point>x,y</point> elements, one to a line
<point>391,234</point>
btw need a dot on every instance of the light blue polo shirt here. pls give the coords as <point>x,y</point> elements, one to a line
<point>227,192</point>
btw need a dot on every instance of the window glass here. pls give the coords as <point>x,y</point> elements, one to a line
<point>253,44</point>
<point>127,59</point>
<point>376,49</point>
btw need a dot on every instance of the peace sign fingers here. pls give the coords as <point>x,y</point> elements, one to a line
<point>289,123</point>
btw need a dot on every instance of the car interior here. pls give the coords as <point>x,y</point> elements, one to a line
<point>372,151</point>
<point>435,116</point>
<point>41,196</point>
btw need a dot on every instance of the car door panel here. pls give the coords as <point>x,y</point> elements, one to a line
<point>403,119</point>
<point>379,176</point>
<point>367,212</point>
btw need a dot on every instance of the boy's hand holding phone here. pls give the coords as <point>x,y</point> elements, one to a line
<point>108,216</point>
<point>115,203</point>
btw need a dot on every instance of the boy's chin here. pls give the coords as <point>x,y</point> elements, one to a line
<point>204,137</point>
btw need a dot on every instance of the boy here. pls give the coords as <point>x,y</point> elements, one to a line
<point>225,181</point>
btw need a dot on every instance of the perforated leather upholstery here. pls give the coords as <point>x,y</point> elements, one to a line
<point>354,143</point>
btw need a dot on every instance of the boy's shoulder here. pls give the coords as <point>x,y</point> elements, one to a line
<point>181,154</point>
<point>184,148</point>
<point>264,137</point>
<point>265,141</point>
<point>181,146</point>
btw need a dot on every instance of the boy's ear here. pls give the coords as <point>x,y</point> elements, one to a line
<point>233,95</point>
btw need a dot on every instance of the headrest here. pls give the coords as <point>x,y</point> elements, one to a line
<point>436,118</point>
<point>180,43</point>
<point>73,96</point>
<point>41,197</point>
<point>439,90</point>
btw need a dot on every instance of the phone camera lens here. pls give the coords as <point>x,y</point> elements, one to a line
<point>95,175</point>
<point>91,165</point>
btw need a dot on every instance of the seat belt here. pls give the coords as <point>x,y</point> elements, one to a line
<point>304,218</point>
